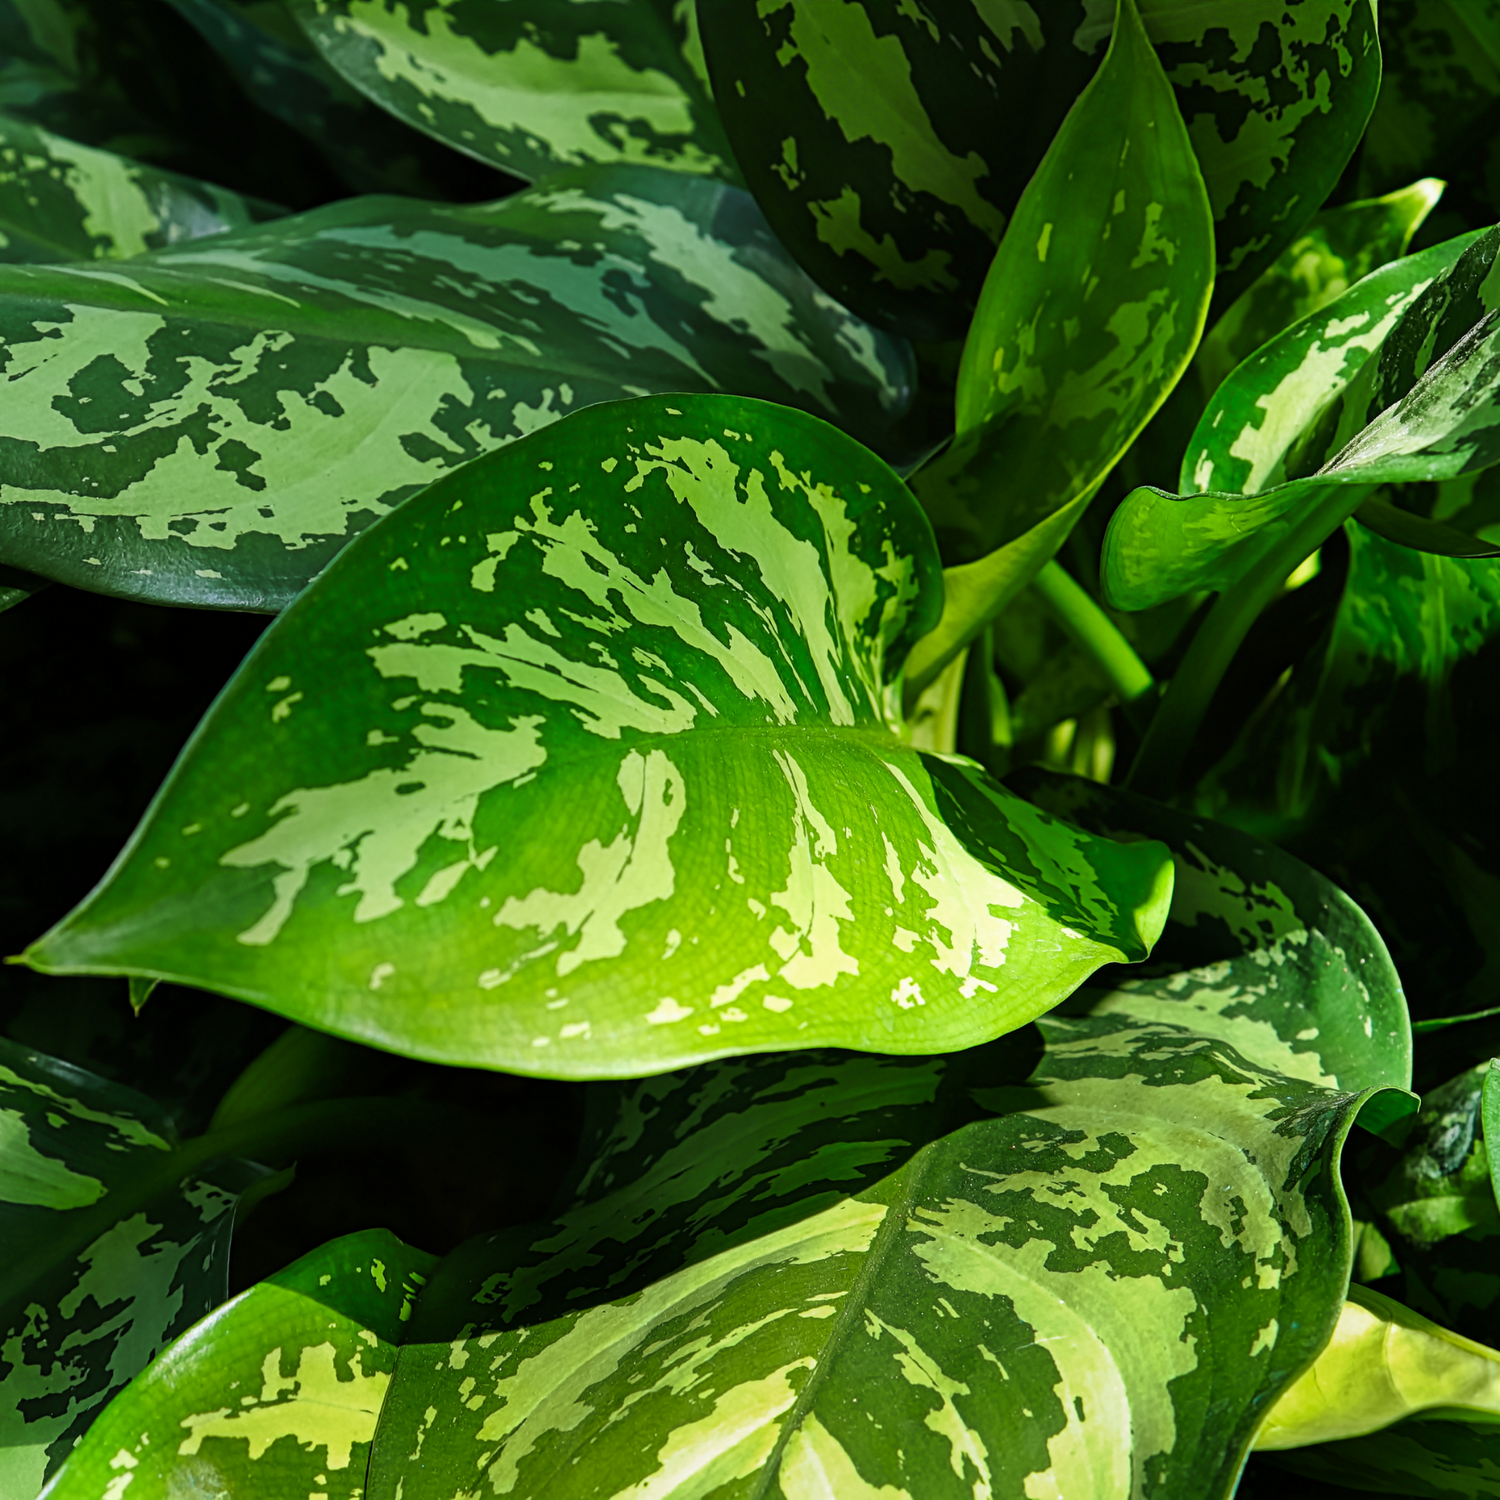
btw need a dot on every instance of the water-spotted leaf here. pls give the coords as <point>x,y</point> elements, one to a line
<point>82,1310</point>
<point>585,762</point>
<point>888,149</point>
<point>533,86</point>
<point>1053,386</point>
<point>280,69</point>
<point>212,427</point>
<point>1097,1291</point>
<point>1338,247</point>
<point>63,201</point>
<point>1425,407</point>
<point>274,1395</point>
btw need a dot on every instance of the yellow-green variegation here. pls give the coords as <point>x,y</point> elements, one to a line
<point>586,762</point>
<point>1094,1287</point>
<point>105,1256</point>
<point>211,425</point>
<point>275,1395</point>
<point>534,86</point>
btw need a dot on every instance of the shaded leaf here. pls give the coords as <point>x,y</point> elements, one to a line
<point>1434,1460</point>
<point>81,1311</point>
<point>1095,1291</point>
<point>1418,533</point>
<point>532,86</point>
<point>710,842</point>
<point>275,1394</point>
<point>212,428</point>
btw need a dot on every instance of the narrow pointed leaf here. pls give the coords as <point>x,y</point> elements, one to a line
<point>1419,533</point>
<point>531,86</point>
<point>212,427</point>
<point>444,808</point>
<point>1071,1297</point>
<point>1053,388</point>
<point>275,1394</point>
<point>82,1311</point>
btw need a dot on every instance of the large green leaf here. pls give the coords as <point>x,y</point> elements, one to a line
<point>1409,392</point>
<point>274,1396</point>
<point>63,201</point>
<point>1095,1292</point>
<point>82,1310</point>
<point>212,427</point>
<point>446,808</point>
<point>1054,385</point>
<point>533,86</point>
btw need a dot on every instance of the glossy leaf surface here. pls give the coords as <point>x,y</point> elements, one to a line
<point>533,87</point>
<point>81,1311</point>
<point>274,1395</point>
<point>445,808</point>
<point>1052,389</point>
<point>212,428</point>
<point>63,201</point>
<point>1068,1297</point>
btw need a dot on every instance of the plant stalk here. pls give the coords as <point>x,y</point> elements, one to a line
<point>1093,632</point>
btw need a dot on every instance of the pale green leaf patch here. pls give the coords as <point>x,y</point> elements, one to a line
<point>588,763</point>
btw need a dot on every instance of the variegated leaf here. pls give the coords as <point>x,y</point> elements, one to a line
<point>585,763</point>
<point>1054,385</point>
<point>213,426</point>
<point>1338,247</point>
<point>1419,1459</point>
<point>1096,1292</point>
<point>274,1395</point>
<point>97,1275</point>
<point>62,201</point>
<point>533,86</point>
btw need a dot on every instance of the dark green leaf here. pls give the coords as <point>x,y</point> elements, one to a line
<point>533,86</point>
<point>81,1311</point>
<point>1420,534</point>
<point>1417,1458</point>
<point>274,1396</point>
<point>711,841</point>
<point>212,427</point>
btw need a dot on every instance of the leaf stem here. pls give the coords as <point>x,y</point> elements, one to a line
<point>1093,632</point>
<point>1159,762</point>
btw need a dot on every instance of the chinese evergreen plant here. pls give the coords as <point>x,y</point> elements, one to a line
<point>854,853</point>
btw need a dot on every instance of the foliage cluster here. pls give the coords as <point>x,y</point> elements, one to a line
<point>838,840</point>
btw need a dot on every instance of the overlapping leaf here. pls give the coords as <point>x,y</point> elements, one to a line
<point>1096,1290</point>
<point>275,1394</point>
<point>584,763</point>
<point>97,1274</point>
<point>532,86</point>
<point>1394,381</point>
<point>1433,1460</point>
<point>63,201</point>
<point>212,427</point>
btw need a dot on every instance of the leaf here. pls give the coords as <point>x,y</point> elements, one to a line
<point>1418,1457</point>
<point>1338,247</point>
<point>213,427</point>
<point>1431,399</point>
<point>533,87</point>
<point>888,151</point>
<point>275,1394</point>
<point>63,201</point>
<point>1100,1287</point>
<point>1418,533</point>
<point>1051,392</point>
<point>81,1311</point>
<point>280,69</point>
<point>711,843</point>
<point>16,586</point>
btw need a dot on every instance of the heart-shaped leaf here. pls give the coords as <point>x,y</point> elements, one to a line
<point>275,1394</point>
<point>451,807</point>
<point>105,1255</point>
<point>213,427</point>
<point>532,86</point>
<point>1102,1286</point>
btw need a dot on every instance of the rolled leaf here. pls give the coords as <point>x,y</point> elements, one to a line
<point>211,429</point>
<point>275,1394</point>
<point>446,808</point>
<point>533,86</point>
<point>96,1276</point>
<point>1106,1279</point>
<point>1054,387</point>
